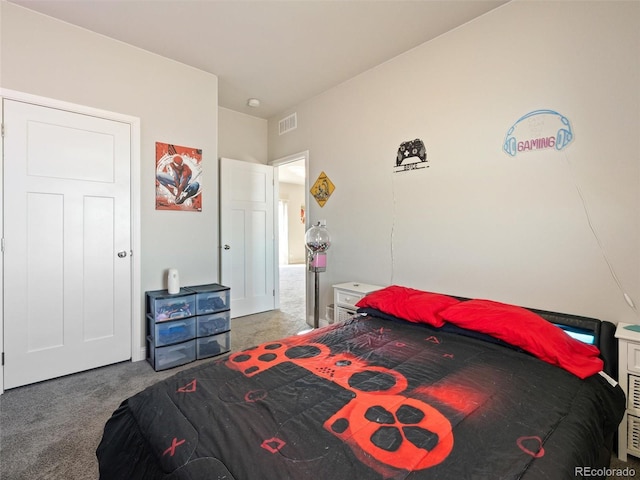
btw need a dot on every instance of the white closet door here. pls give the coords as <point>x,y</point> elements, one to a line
<point>67,286</point>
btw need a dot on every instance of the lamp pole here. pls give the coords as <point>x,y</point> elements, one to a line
<point>316,301</point>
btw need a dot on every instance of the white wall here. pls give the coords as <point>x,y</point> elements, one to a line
<point>176,104</point>
<point>544,229</point>
<point>241,136</point>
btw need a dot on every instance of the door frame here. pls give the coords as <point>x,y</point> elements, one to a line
<point>304,155</point>
<point>137,352</point>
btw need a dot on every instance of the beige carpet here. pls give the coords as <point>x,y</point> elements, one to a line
<point>292,300</point>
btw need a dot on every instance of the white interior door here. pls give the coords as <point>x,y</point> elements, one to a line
<point>67,267</point>
<point>247,260</point>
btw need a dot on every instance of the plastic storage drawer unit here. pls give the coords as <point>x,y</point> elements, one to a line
<point>163,306</point>
<point>212,345</point>
<point>174,331</point>
<point>211,298</point>
<point>171,356</point>
<point>212,324</point>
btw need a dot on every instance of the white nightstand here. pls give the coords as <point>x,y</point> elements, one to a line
<point>345,297</point>
<point>629,379</point>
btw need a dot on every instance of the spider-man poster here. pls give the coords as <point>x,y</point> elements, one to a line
<point>178,178</point>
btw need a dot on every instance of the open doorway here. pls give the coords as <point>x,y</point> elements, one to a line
<point>292,222</point>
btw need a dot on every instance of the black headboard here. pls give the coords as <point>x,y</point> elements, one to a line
<point>603,331</point>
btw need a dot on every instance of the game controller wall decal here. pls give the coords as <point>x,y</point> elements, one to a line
<point>538,130</point>
<point>411,155</point>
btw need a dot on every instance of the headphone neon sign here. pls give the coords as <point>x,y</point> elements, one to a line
<point>538,130</point>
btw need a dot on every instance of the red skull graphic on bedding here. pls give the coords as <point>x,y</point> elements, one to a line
<point>395,430</point>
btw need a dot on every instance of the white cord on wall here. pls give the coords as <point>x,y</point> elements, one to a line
<point>592,227</point>
<point>393,225</point>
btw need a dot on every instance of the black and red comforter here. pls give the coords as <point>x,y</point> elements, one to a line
<point>371,398</point>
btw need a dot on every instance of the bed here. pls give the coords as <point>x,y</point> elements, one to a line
<point>417,385</point>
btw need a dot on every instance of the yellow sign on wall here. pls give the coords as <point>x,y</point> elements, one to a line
<point>322,189</point>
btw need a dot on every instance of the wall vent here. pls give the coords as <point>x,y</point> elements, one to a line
<point>288,123</point>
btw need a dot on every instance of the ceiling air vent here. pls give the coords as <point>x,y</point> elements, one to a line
<point>288,123</point>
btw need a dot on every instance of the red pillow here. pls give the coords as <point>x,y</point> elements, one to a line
<point>413,305</point>
<point>527,330</point>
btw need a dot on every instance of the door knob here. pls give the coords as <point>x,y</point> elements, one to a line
<point>122,253</point>
<point>227,247</point>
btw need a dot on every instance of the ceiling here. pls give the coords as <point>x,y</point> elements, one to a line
<point>280,52</point>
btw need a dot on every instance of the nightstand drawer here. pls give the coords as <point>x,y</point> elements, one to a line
<point>633,435</point>
<point>344,314</point>
<point>348,298</point>
<point>633,397</point>
<point>633,357</point>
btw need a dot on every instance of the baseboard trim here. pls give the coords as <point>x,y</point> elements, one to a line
<point>139,355</point>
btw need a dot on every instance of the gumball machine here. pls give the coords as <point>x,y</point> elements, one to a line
<point>318,241</point>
